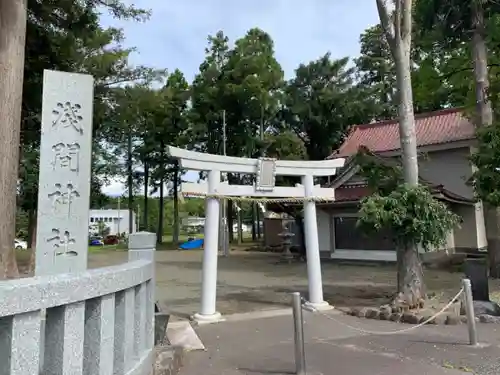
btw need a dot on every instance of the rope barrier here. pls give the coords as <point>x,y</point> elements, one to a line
<point>262,200</point>
<point>391,332</point>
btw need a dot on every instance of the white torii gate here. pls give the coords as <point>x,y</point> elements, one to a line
<point>266,170</point>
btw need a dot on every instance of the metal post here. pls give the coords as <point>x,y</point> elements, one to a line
<point>300,356</point>
<point>469,311</point>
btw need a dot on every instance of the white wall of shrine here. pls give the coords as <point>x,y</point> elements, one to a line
<point>324,236</point>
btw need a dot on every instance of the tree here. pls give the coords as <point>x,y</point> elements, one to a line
<point>414,218</point>
<point>455,22</point>
<point>65,35</point>
<point>163,121</point>
<point>399,203</point>
<point>12,41</point>
<point>253,81</point>
<point>398,36</point>
<point>176,95</point>
<point>206,97</point>
<point>320,103</point>
<point>411,287</point>
<point>376,72</point>
<point>241,86</point>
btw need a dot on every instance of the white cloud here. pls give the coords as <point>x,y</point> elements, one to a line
<point>176,34</point>
<point>115,188</point>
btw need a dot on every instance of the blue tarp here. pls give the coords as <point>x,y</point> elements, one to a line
<point>193,244</point>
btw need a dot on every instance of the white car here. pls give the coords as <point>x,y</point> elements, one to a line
<point>20,245</point>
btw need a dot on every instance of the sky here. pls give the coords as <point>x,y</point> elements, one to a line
<point>176,34</point>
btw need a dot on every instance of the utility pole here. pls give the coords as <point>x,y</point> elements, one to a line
<point>119,215</point>
<point>225,230</point>
<point>261,135</point>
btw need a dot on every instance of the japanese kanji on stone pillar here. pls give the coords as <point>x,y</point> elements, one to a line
<point>64,181</point>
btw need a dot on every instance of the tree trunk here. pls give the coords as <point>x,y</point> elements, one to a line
<point>31,228</point>
<point>397,29</point>
<point>484,117</point>
<point>175,237</point>
<point>32,222</point>
<point>12,45</point>
<point>146,193</point>
<point>130,186</point>
<point>254,218</point>
<point>411,285</point>
<point>240,228</point>
<point>480,60</point>
<point>230,220</point>
<point>159,231</point>
<point>407,133</point>
<point>257,218</point>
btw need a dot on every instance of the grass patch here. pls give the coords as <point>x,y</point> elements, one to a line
<point>102,249</point>
<point>23,258</point>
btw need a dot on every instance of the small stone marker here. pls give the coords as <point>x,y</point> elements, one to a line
<point>64,181</point>
<point>476,270</point>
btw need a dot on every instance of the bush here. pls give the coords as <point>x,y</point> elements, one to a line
<point>412,214</point>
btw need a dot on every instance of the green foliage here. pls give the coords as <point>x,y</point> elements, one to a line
<point>320,104</point>
<point>381,177</point>
<point>241,86</point>
<point>486,158</point>
<point>444,40</point>
<point>412,215</point>
<point>207,91</point>
<point>242,83</point>
<point>376,72</point>
<point>66,35</point>
<point>452,19</point>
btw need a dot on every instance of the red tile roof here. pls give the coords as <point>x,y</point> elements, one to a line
<point>346,193</point>
<point>448,125</point>
<point>353,191</point>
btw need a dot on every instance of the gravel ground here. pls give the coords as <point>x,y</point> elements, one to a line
<point>251,281</point>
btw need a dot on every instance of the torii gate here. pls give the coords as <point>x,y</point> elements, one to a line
<point>266,170</point>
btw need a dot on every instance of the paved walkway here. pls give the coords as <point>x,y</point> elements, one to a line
<point>265,346</point>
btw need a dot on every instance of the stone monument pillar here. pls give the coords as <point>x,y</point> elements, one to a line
<point>64,181</point>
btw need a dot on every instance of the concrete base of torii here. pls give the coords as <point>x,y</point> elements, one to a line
<point>313,307</point>
<point>207,319</point>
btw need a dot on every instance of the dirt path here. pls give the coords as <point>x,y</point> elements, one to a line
<point>254,281</point>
